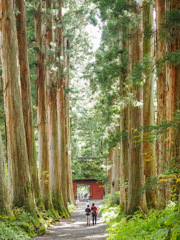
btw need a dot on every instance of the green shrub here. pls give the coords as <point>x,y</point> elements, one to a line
<point>22,226</point>
<point>11,232</point>
<point>157,224</point>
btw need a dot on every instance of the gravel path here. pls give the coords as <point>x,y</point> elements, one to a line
<point>76,227</point>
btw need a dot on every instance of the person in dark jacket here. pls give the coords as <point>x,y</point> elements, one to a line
<point>94,212</point>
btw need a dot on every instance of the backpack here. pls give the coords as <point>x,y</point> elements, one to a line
<point>88,210</point>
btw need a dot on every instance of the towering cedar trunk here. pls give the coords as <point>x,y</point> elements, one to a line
<point>68,144</point>
<point>148,104</point>
<point>26,95</point>
<point>61,108</point>
<point>4,198</point>
<point>55,185</point>
<point>107,177</point>
<point>124,158</point>
<point>113,169</point>
<point>175,93</point>
<point>42,114</point>
<point>123,129</point>
<point>136,199</point>
<point>18,169</point>
<point>115,186</point>
<point>117,169</point>
<point>109,188</point>
<point>162,98</point>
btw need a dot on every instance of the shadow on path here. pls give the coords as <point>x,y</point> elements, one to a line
<point>76,227</point>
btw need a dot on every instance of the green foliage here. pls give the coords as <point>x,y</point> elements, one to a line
<point>92,18</point>
<point>172,58</point>
<point>24,225</point>
<point>173,17</point>
<point>141,70</point>
<point>90,169</point>
<point>171,28</point>
<point>148,32</point>
<point>12,232</point>
<point>71,208</point>
<point>156,224</point>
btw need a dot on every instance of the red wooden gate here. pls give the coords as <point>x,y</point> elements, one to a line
<point>96,188</point>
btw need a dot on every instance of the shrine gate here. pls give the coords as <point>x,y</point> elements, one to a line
<point>96,188</point>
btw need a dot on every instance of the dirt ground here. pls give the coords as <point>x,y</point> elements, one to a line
<point>76,227</point>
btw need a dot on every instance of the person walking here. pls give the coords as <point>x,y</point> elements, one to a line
<point>86,195</point>
<point>87,202</point>
<point>88,213</point>
<point>94,212</point>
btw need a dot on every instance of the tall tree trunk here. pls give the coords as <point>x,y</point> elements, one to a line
<point>68,143</point>
<point>4,197</point>
<point>113,176</point>
<point>124,158</point>
<point>148,104</point>
<point>136,199</point>
<point>175,93</point>
<point>26,96</point>
<point>42,112</point>
<point>18,168</point>
<point>61,107</point>
<point>123,129</point>
<point>115,187</point>
<point>55,175</point>
<point>107,176</point>
<point>109,166</point>
<point>64,165</point>
<point>162,99</point>
<point>117,169</point>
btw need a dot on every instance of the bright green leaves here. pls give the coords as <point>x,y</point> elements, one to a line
<point>156,224</point>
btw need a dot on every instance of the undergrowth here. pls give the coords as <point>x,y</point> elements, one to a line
<point>23,225</point>
<point>155,225</point>
<point>72,208</point>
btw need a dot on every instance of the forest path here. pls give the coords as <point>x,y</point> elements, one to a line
<point>76,227</point>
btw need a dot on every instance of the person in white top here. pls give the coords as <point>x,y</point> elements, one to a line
<point>87,202</point>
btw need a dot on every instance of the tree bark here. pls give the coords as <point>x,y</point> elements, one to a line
<point>124,158</point>
<point>175,96</point>
<point>148,106</point>
<point>4,197</point>
<point>123,128</point>
<point>61,107</point>
<point>26,96</point>
<point>18,168</point>
<point>109,172</point>
<point>67,110</point>
<point>43,154</point>
<point>113,176</point>
<point>162,100</point>
<point>117,169</point>
<point>136,199</point>
<point>55,175</point>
